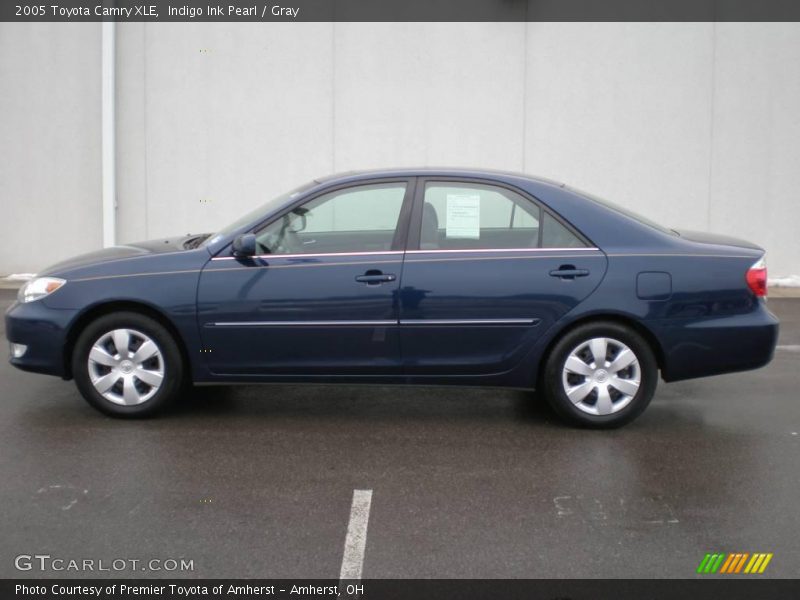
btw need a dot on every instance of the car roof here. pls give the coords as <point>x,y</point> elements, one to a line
<point>432,172</point>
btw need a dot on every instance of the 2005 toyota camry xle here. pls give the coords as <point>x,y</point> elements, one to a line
<point>416,276</point>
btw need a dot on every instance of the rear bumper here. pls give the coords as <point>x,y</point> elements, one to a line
<point>43,331</point>
<point>699,348</point>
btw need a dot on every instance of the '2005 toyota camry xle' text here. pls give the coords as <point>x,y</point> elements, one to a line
<point>415,276</point>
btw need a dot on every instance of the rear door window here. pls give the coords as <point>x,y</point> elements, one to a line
<point>464,216</point>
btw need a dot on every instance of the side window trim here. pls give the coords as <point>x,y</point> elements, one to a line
<point>415,222</point>
<point>401,229</point>
<point>400,241</point>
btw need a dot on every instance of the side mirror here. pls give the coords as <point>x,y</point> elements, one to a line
<point>244,245</point>
<point>301,212</point>
<point>298,227</point>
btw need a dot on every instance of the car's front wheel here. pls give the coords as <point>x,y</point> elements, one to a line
<point>600,375</point>
<point>127,365</point>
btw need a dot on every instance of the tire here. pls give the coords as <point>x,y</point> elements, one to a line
<point>139,381</point>
<point>600,397</point>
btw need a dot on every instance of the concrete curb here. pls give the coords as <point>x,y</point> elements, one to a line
<point>784,292</point>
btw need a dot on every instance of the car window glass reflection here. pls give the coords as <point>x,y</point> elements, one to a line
<point>359,219</point>
<point>467,216</point>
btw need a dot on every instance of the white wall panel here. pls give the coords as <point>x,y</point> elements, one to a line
<point>131,131</point>
<point>235,114</point>
<point>410,94</point>
<point>49,143</point>
<point>694,124</point>
<point>623,110</point>
<point>755,176</point>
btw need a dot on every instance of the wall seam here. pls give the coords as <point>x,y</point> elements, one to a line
<point>711,111</point>
<point>333,97</point>
<point>108,146</point>
<point>144,119</point>
<point>526,25</point>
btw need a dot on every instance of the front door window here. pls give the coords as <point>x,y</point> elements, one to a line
<point>357,219</point>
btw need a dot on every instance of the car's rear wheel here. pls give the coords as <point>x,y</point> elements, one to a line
<point>127,365</point>
<point>600,375</point>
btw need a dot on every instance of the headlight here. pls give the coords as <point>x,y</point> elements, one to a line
<point>39,288</point>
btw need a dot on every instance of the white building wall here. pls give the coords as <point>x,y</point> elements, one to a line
<point>755,167</point>
<point>694,124</point>
<point>429,94</point>
<point>49,143</point>
<point>624,110</point>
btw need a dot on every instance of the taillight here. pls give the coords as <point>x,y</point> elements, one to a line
<point>757,278</point>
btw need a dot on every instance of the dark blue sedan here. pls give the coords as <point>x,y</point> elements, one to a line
<point>416,276</point>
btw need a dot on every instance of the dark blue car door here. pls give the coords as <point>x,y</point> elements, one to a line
<point>320,297</point>
<point>488,270</point>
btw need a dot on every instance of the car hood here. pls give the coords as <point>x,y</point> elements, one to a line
<point>134,250</point>
<point>704,237</point>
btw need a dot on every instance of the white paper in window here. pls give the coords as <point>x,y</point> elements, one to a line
<point>463,216</point>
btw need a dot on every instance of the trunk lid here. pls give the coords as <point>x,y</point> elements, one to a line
<point>704,237</point>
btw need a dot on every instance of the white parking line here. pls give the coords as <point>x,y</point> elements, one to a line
<point>789,348</point>
<point>356,540</point>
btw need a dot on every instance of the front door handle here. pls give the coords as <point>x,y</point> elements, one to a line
<point>375,277</point>
<point>569,272</point>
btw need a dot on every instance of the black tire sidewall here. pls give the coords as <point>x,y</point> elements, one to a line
<point>173,363</point>
<point>557,397</point>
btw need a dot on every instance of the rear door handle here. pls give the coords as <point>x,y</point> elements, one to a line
<point>374,277</point>
<point>569,272</point>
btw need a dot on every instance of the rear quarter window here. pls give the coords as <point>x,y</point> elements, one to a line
<point>556,235</point>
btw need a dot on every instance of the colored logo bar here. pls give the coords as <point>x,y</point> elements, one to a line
<point>735,562</point>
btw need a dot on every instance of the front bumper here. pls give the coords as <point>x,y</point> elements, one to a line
<point>703,347</point>
<point>43,330</point>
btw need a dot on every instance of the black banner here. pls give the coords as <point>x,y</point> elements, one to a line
<point>730,588</point>
<point>398,10</point>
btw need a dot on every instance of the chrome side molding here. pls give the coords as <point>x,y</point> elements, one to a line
<point>376,323</point>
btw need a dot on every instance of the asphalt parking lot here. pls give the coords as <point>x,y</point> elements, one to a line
<point>258,481</point>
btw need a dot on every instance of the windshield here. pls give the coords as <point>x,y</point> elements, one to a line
<point>625,211</point>
<point>254,214</point>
